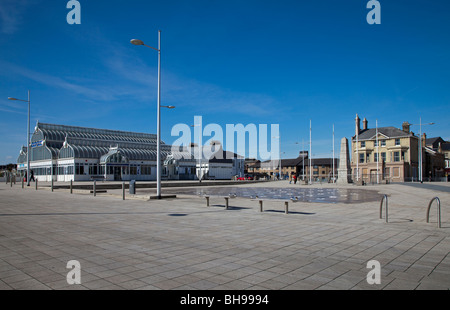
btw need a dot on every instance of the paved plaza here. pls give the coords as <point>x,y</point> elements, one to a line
<point>181,244</point>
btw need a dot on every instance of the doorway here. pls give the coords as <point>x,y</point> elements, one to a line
<point>117,173</point>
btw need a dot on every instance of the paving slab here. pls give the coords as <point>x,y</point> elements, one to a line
<point>181,244</point>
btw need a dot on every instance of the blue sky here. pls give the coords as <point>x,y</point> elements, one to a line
<point>250,62</point>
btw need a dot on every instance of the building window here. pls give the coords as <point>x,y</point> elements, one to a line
<point>397,141</point>
<point>375,157</point>
<point>383,143</point>
<point>146,170</point>
<point>133,170</point>
<point>396,172</point>
<point>361,158</point>
<point>79,169</point>
<point>93,169</point>
<point>396,156</point>
<point>383,157</point>
<point>404,156</point>
<point>363,143</point>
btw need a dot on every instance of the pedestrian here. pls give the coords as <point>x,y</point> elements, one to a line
<point>295,179</point>
<point>32,176</point>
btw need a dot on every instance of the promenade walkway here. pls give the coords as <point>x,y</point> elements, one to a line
<point>183,244</point>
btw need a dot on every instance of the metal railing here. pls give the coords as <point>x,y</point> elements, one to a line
<point>384,199</point>
<point>438,211</point>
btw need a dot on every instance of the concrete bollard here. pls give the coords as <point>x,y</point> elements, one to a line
<point>286,207</point>
<point>71,186</point>
<point>36,184</point>
<point>52,184</point>
<point>94,189</point>
<point>207,201</point>
<point>22,183</point>
<point>226,202</point>
<point>260,206</point>
<point>123,190</point>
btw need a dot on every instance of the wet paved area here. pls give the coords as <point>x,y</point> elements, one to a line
<point>324,195</point>
<point>181,244</point>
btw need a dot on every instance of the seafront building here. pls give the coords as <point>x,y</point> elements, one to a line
<point>390,154</point>
<point>321,169</point>
<point>65,153</point>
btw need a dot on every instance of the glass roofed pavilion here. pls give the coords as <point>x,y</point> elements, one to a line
<point>67,153</point>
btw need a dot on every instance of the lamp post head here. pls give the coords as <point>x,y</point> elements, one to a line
<point>137,42</point>
<point>10,98</point>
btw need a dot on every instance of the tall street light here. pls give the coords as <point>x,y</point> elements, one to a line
<point>28,136</point>
<point>420,147</point>
<point>200,154</point>
<point>334,180</point>
<point>310,152</point>
<point>158,122</point>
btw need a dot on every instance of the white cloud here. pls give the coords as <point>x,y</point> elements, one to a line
<point>188,92</point>
<point>90,92</point>
<point>11,14</point>
<point>131,80</point>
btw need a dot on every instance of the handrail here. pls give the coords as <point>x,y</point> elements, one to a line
<point>385,198</point>
<point>438,211</point>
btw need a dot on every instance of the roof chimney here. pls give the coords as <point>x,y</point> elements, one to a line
<point>406,127</point>
<point>365,123</point>
<point>357,125</point>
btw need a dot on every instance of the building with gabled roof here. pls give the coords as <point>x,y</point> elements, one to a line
<point>389,154</point>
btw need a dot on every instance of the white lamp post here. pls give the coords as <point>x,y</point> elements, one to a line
<point>378,152</point>
<point>310,152</point>
<point>420,147</point>
<point>28,136</point>
<point>333,156</point>
<point>200,155</point>
<point>158,121</point>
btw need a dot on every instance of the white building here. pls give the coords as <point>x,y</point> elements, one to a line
<point>65,153</point>
<point>212,164</point>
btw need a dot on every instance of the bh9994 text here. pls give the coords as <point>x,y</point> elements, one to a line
<point>246,299</point>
